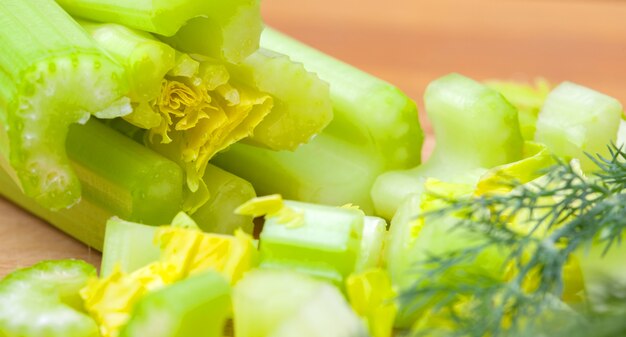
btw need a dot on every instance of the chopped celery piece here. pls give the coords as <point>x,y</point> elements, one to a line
<point>302,105</point>
<point>53,76</point>
<point>475,128</point>
<point>528,99</point>
<point>227,192</point>
<point>197,306</point>
<point>374,235</point>
<point>321,240</point>
<point>221,29</point>
<point>285,304</point>
<point>43,301</point>
<point>119,177</point>
<point>127,246</point>
<point>576,120</point>
<point>327,170</point>
<point>185,251</point>
<point>368,112</point>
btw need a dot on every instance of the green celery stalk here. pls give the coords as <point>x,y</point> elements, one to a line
<point>283,303</point>
<point>43,301</point>
<point>475,128</point>
<point>576,120</point>
<point>302,104</point>
<point>119,177</point>
<point>227,192</point>
<point>326,170</point>
<point>196,306</point>
<point>374,129</point>
<point>227,30</point>
<point>368,112</point>
<point>51,76</point>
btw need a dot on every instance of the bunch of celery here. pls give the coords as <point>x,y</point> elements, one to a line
<point>188,80</point>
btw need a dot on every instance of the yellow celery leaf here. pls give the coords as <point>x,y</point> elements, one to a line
<point>372,297</point>
<point>351,206</point>
<point>185,251</point>
<point>110,300</point>
<point>272,206</point>
<point>502,179</point>
<point>259,206</point>
<point>194,251</point>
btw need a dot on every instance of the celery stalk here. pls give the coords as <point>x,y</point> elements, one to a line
<point>576,120</point>
<point>302,105</point>
<point>326,170</point>
<point>227,193</point>
<point>374,129</point>
<point>222,29</point>
<point>475,128</point>
<point>197,306</point>
<point>119,177</point>
<point>53,76</point>
<point>369,112</point>
<point>191,105</point>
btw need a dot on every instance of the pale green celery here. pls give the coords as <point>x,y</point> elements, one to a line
<point>197,306</point>
<point>127,246</point>
<point>227,193</point>
<point>475,128</point>
<point>374,236</point>
<point>325,242</point>
<point>53,76</point>
<point>43,301</point>
<point>286,303</point>
<point>145,59</point>
<point>374,129</point>
<point>528,99</point>
<point>371,114</point>
<point>223,29</point>
<point>576,121</point>
<point>302,105</point>
<point>119,177</point>
<point>327,170</point>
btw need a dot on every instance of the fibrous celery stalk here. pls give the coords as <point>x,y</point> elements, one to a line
<point>51,76</point>
<point>222,29</point>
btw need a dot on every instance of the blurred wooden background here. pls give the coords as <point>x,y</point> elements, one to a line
<point>409,43</point>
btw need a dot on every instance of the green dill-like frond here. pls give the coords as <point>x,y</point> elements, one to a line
<point>536,228</point>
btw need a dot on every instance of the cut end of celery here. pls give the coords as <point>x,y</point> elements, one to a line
<point>576,120</point>
<point>302,101</point>
<point>50,100</point>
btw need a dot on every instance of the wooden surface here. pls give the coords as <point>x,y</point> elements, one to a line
<point>409,43</point>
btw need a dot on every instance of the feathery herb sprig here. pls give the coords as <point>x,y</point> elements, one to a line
<point>537,227</point>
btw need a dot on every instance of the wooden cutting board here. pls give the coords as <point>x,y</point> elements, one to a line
<point>409,43</point>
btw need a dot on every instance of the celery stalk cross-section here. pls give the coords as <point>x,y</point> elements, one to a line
<point>53,76</point>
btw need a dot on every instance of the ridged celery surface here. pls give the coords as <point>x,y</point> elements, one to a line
<point>374,129</point>
<point>51,75</point>
<point>222,29</point>
<point>119,177</point>
<point>368,111</point>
